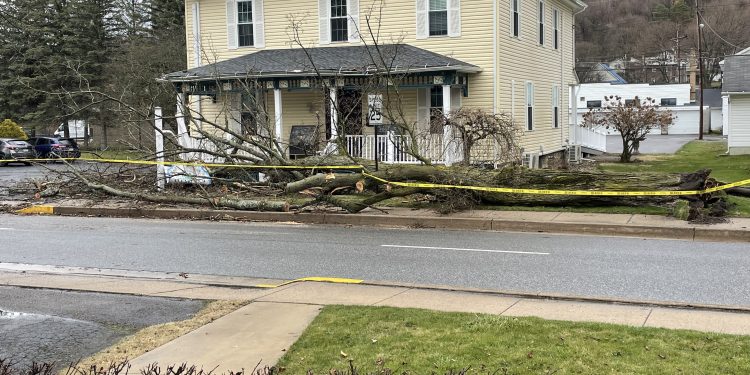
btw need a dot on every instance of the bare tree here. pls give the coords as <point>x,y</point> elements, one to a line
<point>632,119</point>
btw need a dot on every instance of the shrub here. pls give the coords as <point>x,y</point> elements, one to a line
<point>9,129</point>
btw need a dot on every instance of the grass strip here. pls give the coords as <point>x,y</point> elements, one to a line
<point>425,342</point>
<point>150,338</point>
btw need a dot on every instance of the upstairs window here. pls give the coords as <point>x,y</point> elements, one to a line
<point>516,17</point>
<point>629,102</point>
<point>339,21</point>
<point>438,17</point>
<point>556,26</point>
<point>541,22</point>
<point>245,24</point>
<point>245,28</point>
<point>594,104</point>
<point>669,101</point>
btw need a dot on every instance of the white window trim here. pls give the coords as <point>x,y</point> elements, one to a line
<point>233,39</point>
<point>251,23</point>
<point>556,27</point>
<point>520,17</point>
<point>529,103</point>
<point>556,94</point>
<point>423,19</point>
<point>331,18</point>
<point>324,24</point>
<point>542,24</point>
<point>447,20</point>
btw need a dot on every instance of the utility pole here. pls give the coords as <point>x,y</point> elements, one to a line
<point>700,64</point>
<point>679,60</point>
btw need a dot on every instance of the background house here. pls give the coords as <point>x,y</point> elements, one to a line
<point>511,56</point>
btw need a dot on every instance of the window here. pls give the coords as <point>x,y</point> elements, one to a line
<point>555,106</point>
<point>436,110</point>
<point>438,17</point>
<point>529,106</point>
<point>245,30</point>
<point>541,22</point>
<point>629,102</point>
<point>556,25</point>
<point>339,21</point>
<point>669,101</point>
<point>594,104</point>
<point>516,13</point>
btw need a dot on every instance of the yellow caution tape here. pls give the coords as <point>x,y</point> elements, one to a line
<point>210,165</point>
<point>335,280</point>
<point>561,192</point>
<point>419,185</point>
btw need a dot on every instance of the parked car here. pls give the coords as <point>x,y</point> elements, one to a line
<point>15,151</point>
<point>53,147</point>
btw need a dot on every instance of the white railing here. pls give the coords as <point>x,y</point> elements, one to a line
<point>592,138</point>
<point>393,148</point>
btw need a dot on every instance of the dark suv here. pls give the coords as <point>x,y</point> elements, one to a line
<point>15,151</point>
<point>51,147</point>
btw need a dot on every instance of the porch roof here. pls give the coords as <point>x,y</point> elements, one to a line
<point>328,62</point>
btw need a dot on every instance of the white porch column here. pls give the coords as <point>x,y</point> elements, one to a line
<point>391,145</point>
<point>333,97</point>
<point>449,144</point>
<point>182,132</point>
<point>277,106</point>
<point>159,137</point>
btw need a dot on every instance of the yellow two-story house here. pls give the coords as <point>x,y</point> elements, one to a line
<point>309,66</point>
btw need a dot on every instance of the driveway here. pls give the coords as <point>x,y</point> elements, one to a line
<point>657,144</point>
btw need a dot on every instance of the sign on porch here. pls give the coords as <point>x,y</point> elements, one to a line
<point>375,109</point>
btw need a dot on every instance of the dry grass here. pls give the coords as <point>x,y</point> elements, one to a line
<point>152,337</point>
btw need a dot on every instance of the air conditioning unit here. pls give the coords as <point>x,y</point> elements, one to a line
<point>574,154</point>
<point>530,160</point>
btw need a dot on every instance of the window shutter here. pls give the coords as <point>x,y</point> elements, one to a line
<point>423,26</point>
<point>259,29</point>
<point>232,24</point>
<point>352,6</point>
<point>423,109</point>
<point>454,18</point>
<point>324,12</point>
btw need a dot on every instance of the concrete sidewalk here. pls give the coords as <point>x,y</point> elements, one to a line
<point>628,225</point>
<point>263,330</point>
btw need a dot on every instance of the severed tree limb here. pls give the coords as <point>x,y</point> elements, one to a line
<point>237,204</point>
<point>357,206</point>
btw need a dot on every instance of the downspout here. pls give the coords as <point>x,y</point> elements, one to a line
<point>495,61</point>
<point>575,88</point>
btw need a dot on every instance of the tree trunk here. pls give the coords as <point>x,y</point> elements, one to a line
<point>529,179</point>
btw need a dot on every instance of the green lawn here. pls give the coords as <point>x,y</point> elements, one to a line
<point>692,157</point>
<point>426,342</point>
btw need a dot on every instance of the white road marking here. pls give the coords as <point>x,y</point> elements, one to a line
<point>460,249</point>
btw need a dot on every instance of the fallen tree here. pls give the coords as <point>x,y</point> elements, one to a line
<point>511,177</point>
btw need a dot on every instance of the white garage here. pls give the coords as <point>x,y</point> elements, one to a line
<point>736,93</point>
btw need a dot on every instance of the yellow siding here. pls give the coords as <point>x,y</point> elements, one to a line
<point>524,59</point>
<point>518,60</point>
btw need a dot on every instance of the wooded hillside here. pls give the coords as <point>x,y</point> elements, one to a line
<point>615,29</point>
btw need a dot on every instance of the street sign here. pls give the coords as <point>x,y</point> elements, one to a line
<point>375,109</point>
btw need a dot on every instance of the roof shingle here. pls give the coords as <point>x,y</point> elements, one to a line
<point>327,61</point>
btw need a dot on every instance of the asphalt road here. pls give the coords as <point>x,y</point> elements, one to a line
<point>62,327</point>
<point>659,270</point>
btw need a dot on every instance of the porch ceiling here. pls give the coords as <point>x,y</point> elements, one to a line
<point>328,62</point>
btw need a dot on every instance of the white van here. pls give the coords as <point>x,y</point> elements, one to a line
<point>76,129</point>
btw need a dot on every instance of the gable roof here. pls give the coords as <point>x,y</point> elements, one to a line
<point>327,62</point>
<point>737,74</point>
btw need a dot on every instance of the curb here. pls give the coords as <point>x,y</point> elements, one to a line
<point>624,230</point>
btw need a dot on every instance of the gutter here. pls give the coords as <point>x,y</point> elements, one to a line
<point>308,75</point>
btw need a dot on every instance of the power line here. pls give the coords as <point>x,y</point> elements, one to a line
<point>717,34</point>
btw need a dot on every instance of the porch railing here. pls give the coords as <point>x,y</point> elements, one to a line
<point>592,138</point>
<point>394,148</point>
